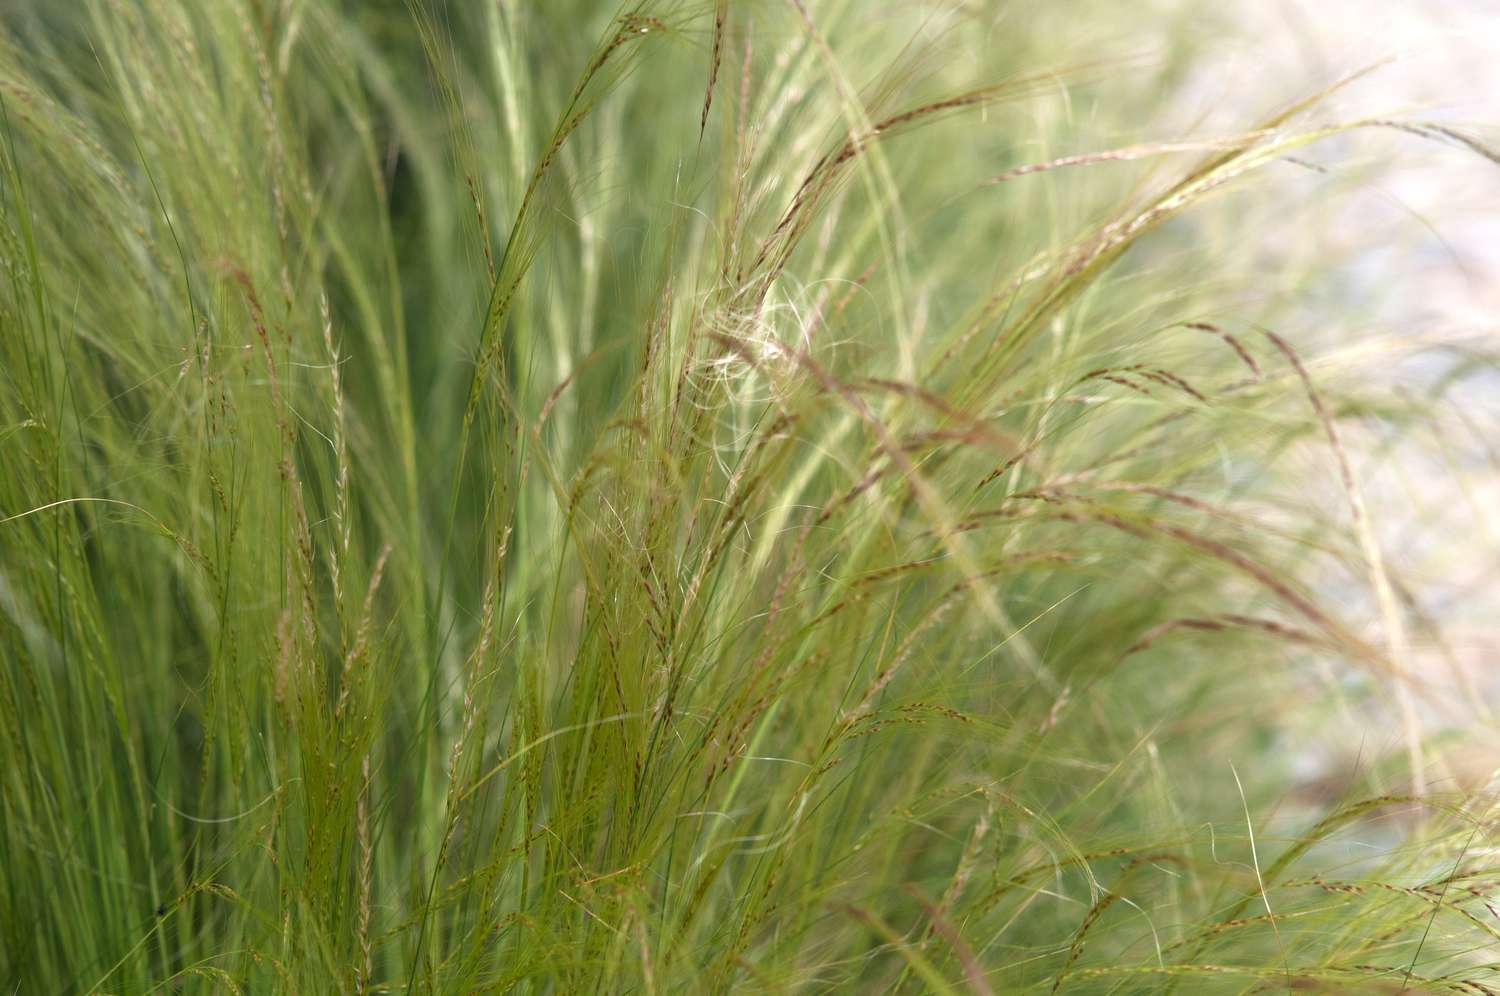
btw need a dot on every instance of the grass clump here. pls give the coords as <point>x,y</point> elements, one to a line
<point>709,497</point>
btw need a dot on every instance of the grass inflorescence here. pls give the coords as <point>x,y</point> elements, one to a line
<point>716,496</point>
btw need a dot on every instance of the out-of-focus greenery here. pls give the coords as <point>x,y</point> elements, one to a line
<point>707,497</point>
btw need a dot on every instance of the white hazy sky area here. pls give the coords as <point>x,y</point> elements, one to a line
<point>1437,60</point>
<point>1423,221</point>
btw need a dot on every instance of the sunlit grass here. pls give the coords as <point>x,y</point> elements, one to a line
<point>713,497</point>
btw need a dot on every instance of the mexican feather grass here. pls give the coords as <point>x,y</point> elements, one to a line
<point>718,496</point>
